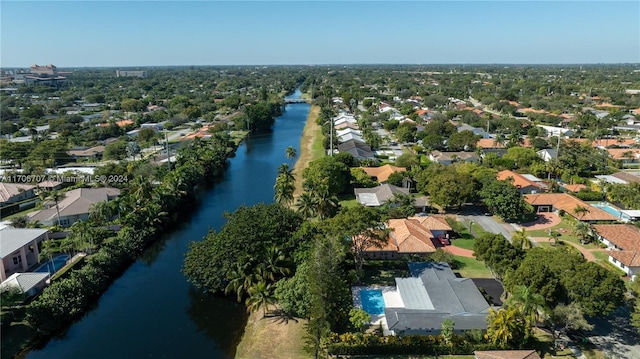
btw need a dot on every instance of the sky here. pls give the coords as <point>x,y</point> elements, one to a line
<point>177,33</point>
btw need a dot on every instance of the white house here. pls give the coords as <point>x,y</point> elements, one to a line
<point>19,249</point>
<point>623,241</point>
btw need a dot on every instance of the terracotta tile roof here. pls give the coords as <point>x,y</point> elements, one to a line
<point>574,187</point>
<point>624,236</point>
<point>518,180</point>
<point>568,203</point>
<point>623,153</point>
<point>413,235</point>
<point>529,109</point>
<point>422,112</point>
<point>382,173</point>
<point>628,258</point>
<point>614,142</point>
<point>489,143</point>
<point>507,354</point>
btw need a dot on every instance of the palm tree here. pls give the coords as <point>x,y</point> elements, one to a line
<point>284,188</point>
<point>275,263</point>
<point>307,205</point>
<point>19,222</point>
<point>326,202</point>
<point>521,239</point>
<point>240,280</point>
<point>505,326</point>
<point>291,154</point>
<point>260,296</point>
<point>56,196</point>
<point>530,303</point>
<point>580,211</point>
<point>581,229</point>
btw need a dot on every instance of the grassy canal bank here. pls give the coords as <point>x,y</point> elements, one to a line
<point>272,336</point>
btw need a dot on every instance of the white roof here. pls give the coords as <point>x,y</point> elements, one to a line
<point>611,179</point>
<point>24,281</point>
<point>12,239</point>
<point>531,178</point>
<point>631,213</point>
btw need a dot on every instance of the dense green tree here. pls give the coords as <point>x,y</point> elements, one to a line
<point>132,105</point>
<point>598,290</point>
<point>323,169</point>
<point>462,141</point>
<point>497,253</point>
<point>503,199</point>
<point>245,238</point>
<point>451,189</point>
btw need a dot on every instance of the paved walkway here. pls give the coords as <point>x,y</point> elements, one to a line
<point>458,251</point>
<point>587,253</point>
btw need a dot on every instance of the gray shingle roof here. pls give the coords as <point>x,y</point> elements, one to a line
<point>12,239</point>
<point>24,281</point>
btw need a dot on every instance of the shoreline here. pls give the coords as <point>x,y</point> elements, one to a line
<point>273,337</point>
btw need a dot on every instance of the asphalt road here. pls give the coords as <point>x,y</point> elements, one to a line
<point>616,336</point>
<point>489,224</point>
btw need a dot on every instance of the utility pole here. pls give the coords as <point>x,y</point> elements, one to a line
<point>166,141</point>
<point>330,129</point>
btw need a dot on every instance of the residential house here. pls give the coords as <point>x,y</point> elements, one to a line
<point>357,149</point>
<point>75,206</point>
<point>432,295</point>
<point>419,235</point>
<point>28,283</point>
<point>553,131</point>
<point>555,202</point>
<point>49,185</point>
<point>154,126</point>
<point>350,135</point>
<point>382,173</point>
<point>19,249</point>
<point>523,183</point>
<point>15,192</point>
<point>625,155</point>
<point>378,196</point>
<point>447,158</point>
<point>86,153</point>
<point>574,187</point>
<point>619,178</point>
<point>623,242</point>
<point>506,354</point>
<point>476,130</point>
<point>547,154</point>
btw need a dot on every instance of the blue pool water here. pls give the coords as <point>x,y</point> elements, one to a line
<point>608,208</point>
<point>372,301</point>
<point>54,264</point>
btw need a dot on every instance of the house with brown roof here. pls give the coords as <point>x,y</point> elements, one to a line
<point>522,183</point>
<point>413,235</point>
<point>506,354</point>
<point>86,152</point>
<point>623,242</point>
<point>555,202</point>
<point>75,206</point>
<point>382,173</point>
<point>625,155</point>
<point>575,187</point>
<point>15,192</point>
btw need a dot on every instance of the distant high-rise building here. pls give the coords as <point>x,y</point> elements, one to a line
<point>127,73</point>
<point>48,70</point>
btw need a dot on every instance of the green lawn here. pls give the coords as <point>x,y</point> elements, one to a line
<point>472,268</point>
<point>466,242</point>
<point>601,255</point>
<point>374,276</point>
<point>565,228</point>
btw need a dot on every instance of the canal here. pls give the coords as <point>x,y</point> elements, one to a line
<point>151,311</point>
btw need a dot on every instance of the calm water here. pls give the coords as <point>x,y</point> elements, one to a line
<point>151,311</point>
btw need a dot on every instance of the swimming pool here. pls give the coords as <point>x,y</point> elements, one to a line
<point>372,301</point>
<point>54,264</point>
<point>610,209</point>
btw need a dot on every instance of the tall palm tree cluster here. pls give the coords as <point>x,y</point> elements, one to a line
<point>255,283</point>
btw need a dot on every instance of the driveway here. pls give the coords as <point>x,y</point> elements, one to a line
<point>615,335</point>
<point>489,224</point>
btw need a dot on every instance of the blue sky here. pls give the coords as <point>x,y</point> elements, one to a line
<point>159,33</point>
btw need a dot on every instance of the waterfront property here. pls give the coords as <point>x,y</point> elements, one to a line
<point>419,304</point>
<point>75,206</point>
<point>28,283</point>
<point>53,265</point>
<point>19,249</point>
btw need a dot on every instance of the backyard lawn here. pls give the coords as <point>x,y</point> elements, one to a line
<point>466,242</point>
<point>565,228</point>
<point>471,268</point>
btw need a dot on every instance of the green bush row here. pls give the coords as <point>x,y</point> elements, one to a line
<point>373,344</point>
